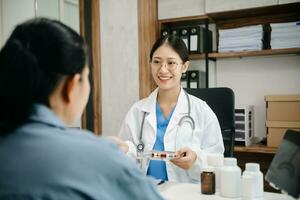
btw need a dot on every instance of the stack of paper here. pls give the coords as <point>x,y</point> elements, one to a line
<point>241,39</point>
<point>285,35</point>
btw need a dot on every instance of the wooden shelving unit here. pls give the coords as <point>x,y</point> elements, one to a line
<point>256,149</point>
<point>197,56</point>
<point>238,18</point>
<point>242,17</point>
<point>259,15</point>
<point>266,52</point>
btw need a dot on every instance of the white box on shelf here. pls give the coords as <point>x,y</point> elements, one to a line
<point>244,124</point>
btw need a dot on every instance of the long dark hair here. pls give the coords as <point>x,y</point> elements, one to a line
<point>175,43</point>
<point>33,61</point>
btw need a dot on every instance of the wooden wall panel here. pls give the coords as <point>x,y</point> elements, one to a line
<point>148,33</point>
<point>90,30</point>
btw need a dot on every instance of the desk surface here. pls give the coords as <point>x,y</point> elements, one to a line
<point>188,191</point>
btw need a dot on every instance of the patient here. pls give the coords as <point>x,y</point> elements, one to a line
<point>44,86</point>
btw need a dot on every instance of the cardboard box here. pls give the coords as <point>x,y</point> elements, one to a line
<point>277,129</point>
<point>283,107</point>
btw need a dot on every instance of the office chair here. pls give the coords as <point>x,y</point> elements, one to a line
<point>221,101</point>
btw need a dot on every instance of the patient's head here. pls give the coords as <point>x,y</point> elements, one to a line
<point>43,61</point>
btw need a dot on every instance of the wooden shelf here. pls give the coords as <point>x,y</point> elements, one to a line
<point>197,56</point>
<point>242,17</point>
<point>260,15</point>
<point>267,52</point>
<point>258,148</point>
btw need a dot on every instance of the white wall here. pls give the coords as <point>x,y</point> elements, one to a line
<point>173,9</point>
<point>253,78</point>
<point>14,12</point>
<point>1,26</point>
<point>48,8</point>
<point>66,11</point>
<point>70,13</point>
<point>119,61</point>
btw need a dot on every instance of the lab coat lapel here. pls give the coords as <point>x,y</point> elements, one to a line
<point>149,108</point>
<point>181,110</point>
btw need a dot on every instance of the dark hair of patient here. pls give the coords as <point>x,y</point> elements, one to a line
<point>35,58</point>
<point>175,43</point>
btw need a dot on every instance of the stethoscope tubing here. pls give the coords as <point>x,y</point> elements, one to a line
<point>140,146</point>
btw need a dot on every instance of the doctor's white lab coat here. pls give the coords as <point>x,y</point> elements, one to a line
<point>204,140</point>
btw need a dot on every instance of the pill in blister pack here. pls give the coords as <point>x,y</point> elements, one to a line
<point>159,155</point>
<point>168,155</point>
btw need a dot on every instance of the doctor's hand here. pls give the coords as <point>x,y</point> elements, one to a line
<point>123,145</point>
<point>186,158</point>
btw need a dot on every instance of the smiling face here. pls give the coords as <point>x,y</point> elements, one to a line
<point>167,68</point>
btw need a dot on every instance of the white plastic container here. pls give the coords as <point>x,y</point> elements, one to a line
<point>253,169</point>
<point>247,187</point>
<point>230,179</point>
<point>217,162</point>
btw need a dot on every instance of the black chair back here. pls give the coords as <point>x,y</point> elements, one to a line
<point>221,101</point>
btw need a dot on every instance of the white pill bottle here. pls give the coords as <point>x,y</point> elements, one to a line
<point>253,170</point>
<point>230,179</point>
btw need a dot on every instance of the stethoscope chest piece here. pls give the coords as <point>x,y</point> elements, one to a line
<point>140,147</point>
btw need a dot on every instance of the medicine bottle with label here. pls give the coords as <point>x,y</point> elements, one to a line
<point>208,181</point>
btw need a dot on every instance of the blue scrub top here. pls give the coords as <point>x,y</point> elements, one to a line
<point>157,168</point>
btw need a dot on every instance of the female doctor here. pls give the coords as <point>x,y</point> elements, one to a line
<point>169,119</point>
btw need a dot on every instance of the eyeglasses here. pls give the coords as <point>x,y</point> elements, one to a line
<point>170,65</point>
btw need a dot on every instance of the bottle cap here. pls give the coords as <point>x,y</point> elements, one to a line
<point>215,160</point>
<point>230,162</point>
<point>252,167</point>
<point>208,169</point>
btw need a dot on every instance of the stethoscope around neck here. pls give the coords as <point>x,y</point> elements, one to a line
<point>187,118</point>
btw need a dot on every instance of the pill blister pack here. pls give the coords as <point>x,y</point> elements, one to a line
<point>158,155</point>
